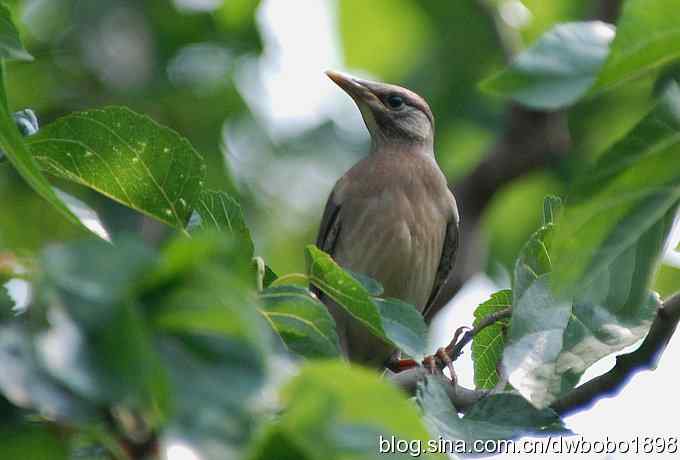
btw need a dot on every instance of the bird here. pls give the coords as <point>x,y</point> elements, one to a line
<point>391,216</point>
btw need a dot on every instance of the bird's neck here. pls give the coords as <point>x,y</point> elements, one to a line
<point>395,147</point>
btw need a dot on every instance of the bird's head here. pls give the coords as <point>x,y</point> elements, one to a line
<point>393,115</point>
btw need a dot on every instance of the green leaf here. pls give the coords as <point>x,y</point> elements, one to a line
<point>392,320</point>
<point>269,276</point>
<point>12,143</point>
<point>183,256</point>
<point>90,305</point>
<point>552,340</point>
<point>303,322</point>
<point>487,344</point>
<point>215,380</point>
<point>10,43</point>
<point>533,261</point>
<point>536,342</point>
<point>278,443</point>
<point>512,411</point>
<point>33,441</point>
<point>201,304</point>
<point>6,302</point>
<point>29,221</point>
<point>574,60</point>
<point>180,326</point>
<point>204,285</point>
<point>373,287</point>
<point>552,209</point>
<point>25,382</point>
<point>667,280</point>
<point>498,416</point>
<point>404,326</point>
<point>334,405</point>
<point>581,288</point>
<point>628,192</point>
<point>201,307</point>
<point>220,211</point>
<point>559,69</point>
<point>127,157</point>
<point>343,288</point>
<point>648,35</point>
<point>91,273</point>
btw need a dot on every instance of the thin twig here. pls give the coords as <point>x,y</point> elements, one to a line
<point>462,398</point>
<point>455,348</point>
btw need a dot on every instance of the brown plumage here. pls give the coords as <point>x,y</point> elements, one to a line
<point>391,216</point>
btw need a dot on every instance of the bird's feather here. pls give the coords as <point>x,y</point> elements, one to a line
<point>446,263</point>
<point>329,229</point>
<point>391,217</point>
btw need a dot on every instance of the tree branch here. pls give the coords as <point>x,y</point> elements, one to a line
<point>644,358</point>
<point>462,398</point>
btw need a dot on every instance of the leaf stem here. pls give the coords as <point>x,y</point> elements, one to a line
<point>261,270</point>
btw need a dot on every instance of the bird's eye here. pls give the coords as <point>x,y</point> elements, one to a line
<point>395,101</point>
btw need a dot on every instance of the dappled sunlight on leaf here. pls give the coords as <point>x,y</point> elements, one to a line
<point>127,157</point>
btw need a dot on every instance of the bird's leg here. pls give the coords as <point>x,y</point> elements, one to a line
<point>430,364</point>
<point>433,363</point>
<point>442,357</point>
<point>397,365</point>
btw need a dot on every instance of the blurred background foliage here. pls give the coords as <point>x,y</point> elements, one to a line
<point>243,81</point>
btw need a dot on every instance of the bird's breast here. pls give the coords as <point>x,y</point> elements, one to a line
<point>394,235</point>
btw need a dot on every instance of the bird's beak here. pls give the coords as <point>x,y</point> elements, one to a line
<point>359,90</point>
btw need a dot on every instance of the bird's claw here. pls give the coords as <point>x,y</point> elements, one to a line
<point>431,364</point>
<point>443,355</point>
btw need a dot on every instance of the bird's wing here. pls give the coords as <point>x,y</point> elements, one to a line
<point>328,230</point>
<point>446,263</point>
<point>330,225</point>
